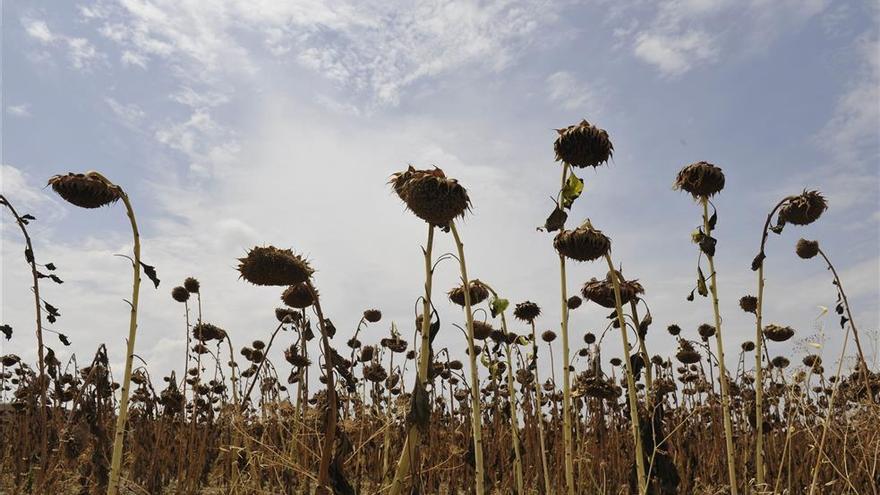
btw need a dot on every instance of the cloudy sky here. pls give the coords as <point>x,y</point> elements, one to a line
<point>235,123</point>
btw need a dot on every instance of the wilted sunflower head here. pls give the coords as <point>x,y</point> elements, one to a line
<point>778,333</point>
<point>803,209</point>
<point>673,329</point>
<point>180,294</point>
<point>806,249</point>
<point>584,243</point>
<point>482,330</point>
<point>706,330</point>
<point>192,285</point>
<point>372,315</point>
<point>574,302</point>
<point>431,196</point>
<point>601,292</point>
<point>748,303</point>
<point>780,362</point>
<point>206,331</point>
<point>701,179</point>
<point>287,315</point>
<point>89,190</point>
<point>748,346</point>
<point>272,266</point>
<point>686,353</point>
<point>527,311</point>
<point>298,296</point>
<point>478,293</point>
<point>548,336</point>
<point>583,145</point>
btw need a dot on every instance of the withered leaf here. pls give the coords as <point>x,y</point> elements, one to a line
<point>150,272</point>
<point>420,409</point>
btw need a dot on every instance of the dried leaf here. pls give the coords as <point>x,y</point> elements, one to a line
<point>150,272</point>
<point>420,408</point>
<point>7,331</point>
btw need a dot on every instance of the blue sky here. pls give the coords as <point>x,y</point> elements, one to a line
<point>238,123</point>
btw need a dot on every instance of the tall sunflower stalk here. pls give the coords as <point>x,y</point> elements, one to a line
<point>801,209</point>
<point>581,145</point>
<point>93,190</point>
<point>703,180</point>
<point>438,200</point>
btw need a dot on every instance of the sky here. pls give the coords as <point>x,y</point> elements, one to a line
<point>239,123</point>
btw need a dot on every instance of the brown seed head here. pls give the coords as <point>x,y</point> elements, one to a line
<point>88,190</point>
<point>583,145</point>
<point>478,293</point>
<point>191,285</point>
<point>778,333</point>
<point>803,209</point>
<point>601,292</point>
<point>180,294</point>
<point>372,315</point>
<point>806,249</point>
<point>701,179</point>
<point>298,296</point>
<point>431,196</point>
<point>748,303</point>
<point>272,266</point>
<point>527,311</point>
<point>583,243</point>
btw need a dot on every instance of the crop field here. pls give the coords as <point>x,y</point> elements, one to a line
<point>373,407</point>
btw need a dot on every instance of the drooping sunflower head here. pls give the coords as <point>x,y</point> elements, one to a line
<point>272,266</point>
<point>89,190</point>
<point>583,145</point>
<point>431,196</point>
<point>803,209</point>
<point>584,243</point>
<point>700,179</point>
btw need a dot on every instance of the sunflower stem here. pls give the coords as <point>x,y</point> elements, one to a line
<point>475,378</point>
<point>413,436</point>
<point>722,370</point>
<point>119,434</point>
<point>630,380</point>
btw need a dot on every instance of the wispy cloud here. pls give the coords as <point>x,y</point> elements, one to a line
<point>564,89</point>
<point>681,35</point>
<point>675,54</point>
<point>21,110</point>
<point>81,53</point>
<point>373,49</point>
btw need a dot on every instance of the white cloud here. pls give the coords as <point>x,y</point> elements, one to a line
<point>80,51</point>
<point>683,34</point>
<point>564,89</point>
<point>130,114</point>
<point>376,49</point>
<point>38,30</point>
<point>209,146</point>
<point>675,54</point>
<point>22,110</point>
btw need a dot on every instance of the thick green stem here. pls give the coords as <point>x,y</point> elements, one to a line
<point>119,434</point>
<point>630,380</point>
<point>566,384</point>
<point>722,370</point>
<point>479,470</point>
<point>413,436</point>
<point>539,416</point>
